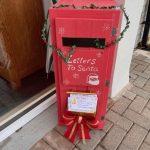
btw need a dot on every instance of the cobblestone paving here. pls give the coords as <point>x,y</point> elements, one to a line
<point>127,126</point>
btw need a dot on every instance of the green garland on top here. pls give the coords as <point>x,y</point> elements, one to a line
<point>45,33</point>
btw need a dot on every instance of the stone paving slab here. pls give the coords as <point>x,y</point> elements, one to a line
<point>75,148</point>
<point>99,148</point>
<point>133,65</point>
<point>145,147</point>
<point>96,137</point>
<point>56,141</point>
<point>135,137</point>
<point>148,105</point>
<point>113,116</point>
<point>140,92</point>
<point>121,105</point>
<point>133,76</point>
<point>41,145</point>
<point>140,68</point>
<point>123,147</point>
<point>127,124</point>
<point>147,87</point>
<point>140,82</point>
<point>108,125</point>
<point>146,113</point>
<point>138,104</point>
<point>138,119</point>
<point>114,138</point>
<point>147,139</point>
<point>124,123</point>
<point>62,129</point>
<point>140,57</point>
<point>140,62</point>
<point>141,74</point>
<point>129,95</point>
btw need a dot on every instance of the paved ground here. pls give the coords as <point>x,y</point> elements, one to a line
<point>127,126</point>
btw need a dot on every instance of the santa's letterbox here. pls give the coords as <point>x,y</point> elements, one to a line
<point>93,30</point>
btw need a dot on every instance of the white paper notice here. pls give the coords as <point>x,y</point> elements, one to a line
<point>86,103</point>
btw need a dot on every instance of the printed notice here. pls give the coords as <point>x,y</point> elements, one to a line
<point>85,103</point>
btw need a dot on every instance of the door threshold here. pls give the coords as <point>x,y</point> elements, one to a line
<point>18,117</point>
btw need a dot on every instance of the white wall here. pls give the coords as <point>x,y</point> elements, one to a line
<point>126,46</point>
<point>46,5</point>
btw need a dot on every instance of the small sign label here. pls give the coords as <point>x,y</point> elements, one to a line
<point>85,103</point>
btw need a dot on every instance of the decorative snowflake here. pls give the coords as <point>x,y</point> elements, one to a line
<point>61,30</point>
<point>66,82</point>
<point>98,55</point>
<point>98,93</point>
<point>75,76</point>
<point>106,27</point>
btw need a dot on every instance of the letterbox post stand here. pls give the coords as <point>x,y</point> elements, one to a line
<point>84,39</point>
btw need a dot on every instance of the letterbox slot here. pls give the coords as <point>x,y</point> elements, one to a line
<point>83,42</point>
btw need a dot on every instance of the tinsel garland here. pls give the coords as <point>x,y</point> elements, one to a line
<point>45,32</point>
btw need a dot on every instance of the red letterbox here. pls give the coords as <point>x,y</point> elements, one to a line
<point>90,69</point>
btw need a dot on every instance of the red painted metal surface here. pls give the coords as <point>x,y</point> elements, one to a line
<point>89,68</point>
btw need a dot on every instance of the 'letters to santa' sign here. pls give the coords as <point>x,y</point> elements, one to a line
<point>83,69</point>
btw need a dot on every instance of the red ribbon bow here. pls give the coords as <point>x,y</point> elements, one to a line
<point>79,124</point>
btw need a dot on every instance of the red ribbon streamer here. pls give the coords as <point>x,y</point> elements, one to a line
<point>80,125</point>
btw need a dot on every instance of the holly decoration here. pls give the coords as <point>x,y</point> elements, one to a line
<point>45,31</point>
